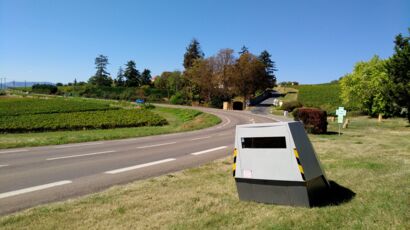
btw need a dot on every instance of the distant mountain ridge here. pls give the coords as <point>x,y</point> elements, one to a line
<point>23,84</point>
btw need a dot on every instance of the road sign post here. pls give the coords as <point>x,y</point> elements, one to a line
<point>340,112</point>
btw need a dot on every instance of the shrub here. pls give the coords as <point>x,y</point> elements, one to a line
<point>314,120</point>
<point>44,88</point>
<point>291,105</point>
<point>178,99</point>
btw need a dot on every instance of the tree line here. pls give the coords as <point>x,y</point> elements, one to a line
<point>218,78</point>
<point>130,77</point>
<point>206,80</point>
<point>381,87</point>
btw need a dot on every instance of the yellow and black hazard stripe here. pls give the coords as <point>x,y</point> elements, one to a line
<point>235,154</point>
<point>295,151</point>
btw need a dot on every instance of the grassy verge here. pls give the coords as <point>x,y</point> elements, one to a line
<point>179,120</point>
<point>371,159</point>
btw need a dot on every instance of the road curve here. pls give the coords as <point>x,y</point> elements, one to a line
<point>33,176</point>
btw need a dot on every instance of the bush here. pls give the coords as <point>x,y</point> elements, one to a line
<point>291,105</point>
<point>44,89</point>
<point>314,120</point>
<point>2,92</point>
<point>178,99</point>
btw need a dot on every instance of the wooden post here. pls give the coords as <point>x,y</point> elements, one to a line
<point>380,117</point>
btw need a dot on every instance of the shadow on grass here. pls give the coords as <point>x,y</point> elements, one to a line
<point>336,195</point>
<point>332,133</point>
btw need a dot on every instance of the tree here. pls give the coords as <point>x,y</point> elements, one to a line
<point>367,88</point>
<point>193,52</point>
<point>249,75</point>
<point>119,81</point>
<point>398,70</point>
<point>202,77</point>
<point>101,77</point>
<point>132,75</point>
<point>244,50</point>
<point>146,77</point>
<point>270,67</point>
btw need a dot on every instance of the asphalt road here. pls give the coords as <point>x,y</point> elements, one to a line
<point>33,176</point>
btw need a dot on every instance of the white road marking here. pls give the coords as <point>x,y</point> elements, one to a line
<point>14,151</point>
<point>200,138</point>
<point>77,145</point>
<point>229,121</point>
<point>3,166</point>
<point>81,155</point>
<point>32,189</point>
<point>150,146</point>
<point>139,166</point>
<point>209,150</point>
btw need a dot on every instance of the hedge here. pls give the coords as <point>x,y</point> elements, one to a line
<point>314,120</point>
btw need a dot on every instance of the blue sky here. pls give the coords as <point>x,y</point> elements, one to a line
<point>311,41</point>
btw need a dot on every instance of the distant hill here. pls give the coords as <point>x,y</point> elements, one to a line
<point>23,84</point>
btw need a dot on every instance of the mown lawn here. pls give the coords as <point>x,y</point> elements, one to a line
<point>370,159</point>
<point>179,120</point>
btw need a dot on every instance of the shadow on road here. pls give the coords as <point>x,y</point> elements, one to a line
<point>336,195</point>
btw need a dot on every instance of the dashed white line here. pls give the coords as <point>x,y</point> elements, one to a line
<point>200,138</point>
<point>77,145</point>
<point>209,150</point>
<point>14,151</point>
<point>151,146</point>
<point>81,155</point>
<point>32,189</point>
<point>139,166</point>
<point>3,166</point>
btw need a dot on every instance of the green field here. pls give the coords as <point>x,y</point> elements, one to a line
<point>107,119</point>
<point>12,106</point>
<point>178,120</point>
<point>20,115</point>
<point>324,96</point>
<point>370,159</point>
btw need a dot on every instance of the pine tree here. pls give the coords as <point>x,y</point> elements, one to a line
<point>193,52</point>
<point>270,67</point>
<point>398,69</point>
<point>132,75</point>
<point>101,77</point>
<point>119,81</point>
<point>146,77</point>
<point>244,50</point>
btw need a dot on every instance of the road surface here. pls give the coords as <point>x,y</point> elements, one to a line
<point>33,176</point>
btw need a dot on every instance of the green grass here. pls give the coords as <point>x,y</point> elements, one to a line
<point>372,159</point>
<point>324,96</point>
<point>177,122</point>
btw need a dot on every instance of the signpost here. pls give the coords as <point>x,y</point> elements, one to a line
<point>340,112</point>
